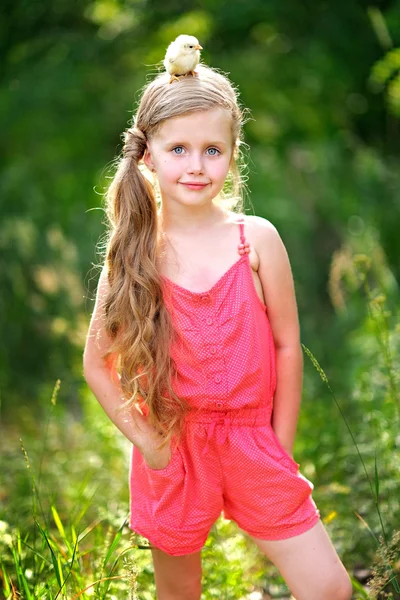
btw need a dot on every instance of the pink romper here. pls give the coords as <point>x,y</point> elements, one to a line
<point>229,458</point>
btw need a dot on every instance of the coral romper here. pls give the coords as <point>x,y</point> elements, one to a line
<point>229,458</point>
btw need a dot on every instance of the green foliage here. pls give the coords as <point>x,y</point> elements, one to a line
<point>386,72</point>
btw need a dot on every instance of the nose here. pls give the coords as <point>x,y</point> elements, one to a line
<point>195,163</point>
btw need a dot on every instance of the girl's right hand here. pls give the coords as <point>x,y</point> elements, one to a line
<point>147,440</point>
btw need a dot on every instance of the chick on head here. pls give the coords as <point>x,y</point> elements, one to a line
<point>182,56</point>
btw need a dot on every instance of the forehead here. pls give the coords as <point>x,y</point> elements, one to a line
<point>215,123</point>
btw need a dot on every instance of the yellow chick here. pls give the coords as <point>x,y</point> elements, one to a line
<point>182,57</point>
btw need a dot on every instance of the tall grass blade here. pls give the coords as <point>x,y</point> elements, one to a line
<point>60,528</point>
<point>110,552</point>
<point>58,523</point>
<point>23,584</point>
<point>114,543</point>
<point>36,552</point>
<point>53,556</point>
<point>376,480</point>
<point>6,585</point>
<point>95,583</point>
<point>364,522</point>
<point>359,588</point>
<point>88,529</point>
<point>70,572</point>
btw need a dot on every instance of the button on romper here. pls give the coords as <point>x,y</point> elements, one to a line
<point>229,458</point>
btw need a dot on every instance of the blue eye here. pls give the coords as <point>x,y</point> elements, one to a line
<point>215,151</point>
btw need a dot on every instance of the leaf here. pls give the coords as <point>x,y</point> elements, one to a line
<point>6,586</point>
<point>114,543</point>
<point>58,523</point>
<point>363,521</point>
<point>53,556</point>
<point>376,479</point>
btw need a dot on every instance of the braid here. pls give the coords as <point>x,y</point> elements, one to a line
<point>135,143</point>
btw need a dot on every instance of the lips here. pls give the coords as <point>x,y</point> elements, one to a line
<point>194,186</point>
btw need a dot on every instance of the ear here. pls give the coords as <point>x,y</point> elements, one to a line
<point>147,158</point>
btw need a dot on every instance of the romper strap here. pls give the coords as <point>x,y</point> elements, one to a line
<point>244,246</point>
<point>241,228</point>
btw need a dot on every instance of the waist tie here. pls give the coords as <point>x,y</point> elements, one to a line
<point>249,416</point>
<point>220,439</point>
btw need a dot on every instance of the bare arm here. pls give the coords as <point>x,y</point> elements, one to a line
<point>278,287</point>
<point>103,379</point>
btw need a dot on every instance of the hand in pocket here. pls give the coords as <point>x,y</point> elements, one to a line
<point>147,440</point>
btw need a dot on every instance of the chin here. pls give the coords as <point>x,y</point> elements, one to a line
<point>195,201</point>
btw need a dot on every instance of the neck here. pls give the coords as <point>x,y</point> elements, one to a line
<point>190,219</point>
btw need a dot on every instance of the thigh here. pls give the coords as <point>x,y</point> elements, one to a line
<point>309,564</point>
<point>177,577</point>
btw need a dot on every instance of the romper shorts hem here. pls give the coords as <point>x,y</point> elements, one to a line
<point>282,532</point>
<point>172,552</point>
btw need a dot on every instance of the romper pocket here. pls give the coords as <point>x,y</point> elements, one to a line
<point>169,499</point>
<point>169,476</point>
<point>268,441</point>
<point>164,469</point>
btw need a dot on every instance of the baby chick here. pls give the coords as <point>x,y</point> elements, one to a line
<point>182,57</point>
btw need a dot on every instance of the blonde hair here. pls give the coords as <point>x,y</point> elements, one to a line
<point>136,318</point>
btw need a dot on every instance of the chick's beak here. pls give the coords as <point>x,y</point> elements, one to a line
<point>198,47</point>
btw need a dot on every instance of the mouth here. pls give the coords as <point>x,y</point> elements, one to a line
<point>198,47</point>
<point>194,186</point>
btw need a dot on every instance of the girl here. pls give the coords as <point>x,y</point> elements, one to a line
<point>194,347</point>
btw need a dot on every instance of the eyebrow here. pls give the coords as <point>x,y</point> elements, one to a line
<point>185,143</point>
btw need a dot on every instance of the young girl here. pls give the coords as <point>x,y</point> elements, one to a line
<point>194,347</point>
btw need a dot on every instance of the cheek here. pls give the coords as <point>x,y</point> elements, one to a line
<point>170,171</point>
<point>220,169</point>
<point>173,173</point>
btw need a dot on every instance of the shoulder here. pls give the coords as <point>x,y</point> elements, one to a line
<point>259,226</point>
<point>274,271</point>
<point>271,255</point>
<point>263,236</point>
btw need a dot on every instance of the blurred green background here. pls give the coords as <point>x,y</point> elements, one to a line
<point>322,83</point>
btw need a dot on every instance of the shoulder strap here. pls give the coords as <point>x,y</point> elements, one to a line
<point>243,247</point>
<point>241,229</point>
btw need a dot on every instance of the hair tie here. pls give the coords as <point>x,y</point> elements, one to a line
<point>135,143</point>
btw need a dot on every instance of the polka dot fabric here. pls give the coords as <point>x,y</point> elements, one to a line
<point>229,459</point>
